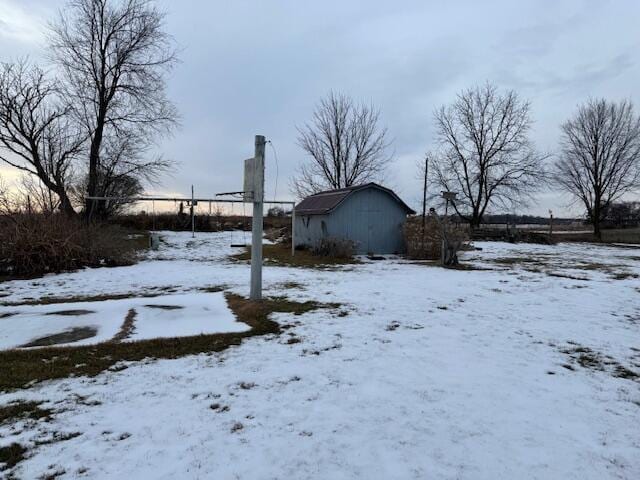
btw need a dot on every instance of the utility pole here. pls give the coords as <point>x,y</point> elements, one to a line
<point>256,226</point>
<point>424,199</point>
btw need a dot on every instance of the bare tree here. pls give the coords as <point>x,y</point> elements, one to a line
<point>600,160</point>
<point>486,156</point>
<point>345,144</point>
<point>114,55</point>
<point>37,135</point>
<point>37,196</point>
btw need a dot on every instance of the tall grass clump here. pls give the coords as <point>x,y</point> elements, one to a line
<point>36,244</point>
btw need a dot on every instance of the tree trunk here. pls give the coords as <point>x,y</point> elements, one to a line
<point>91,206</point>
<point>65,204</point>
<point>597,211</point>
<point>596,228</point>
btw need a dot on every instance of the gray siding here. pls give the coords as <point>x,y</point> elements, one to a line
<point>371,218</point>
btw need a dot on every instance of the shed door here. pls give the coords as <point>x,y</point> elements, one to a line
<point>373,221</point>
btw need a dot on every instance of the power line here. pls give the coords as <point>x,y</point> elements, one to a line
<point>275,156</point>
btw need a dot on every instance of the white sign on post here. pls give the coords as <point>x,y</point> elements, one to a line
<point>253,180</point>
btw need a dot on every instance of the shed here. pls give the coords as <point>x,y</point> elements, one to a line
<point>369,215</point>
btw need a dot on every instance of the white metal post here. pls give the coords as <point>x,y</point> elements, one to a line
<point>256,224</point>
<point>193,224</point>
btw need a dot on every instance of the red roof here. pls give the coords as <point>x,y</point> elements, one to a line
<point>324,202</point>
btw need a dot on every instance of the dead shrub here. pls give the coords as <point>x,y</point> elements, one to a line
<point>429,247</point>
<point>335,248</point>
<point>36,244</point>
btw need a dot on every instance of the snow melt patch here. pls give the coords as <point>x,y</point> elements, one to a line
<point>166,316</point>
<point>184,315</point>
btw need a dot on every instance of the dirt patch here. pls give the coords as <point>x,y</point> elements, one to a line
<point>165,307</point>
<point>71,312</point>
<point>68,336</point>
<point>24,368</point>
<point>7,314</point>
<point>566,275</point>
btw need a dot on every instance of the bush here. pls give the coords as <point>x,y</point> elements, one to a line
<point>335,248</point>
<point>430,248</point>
<point>38,244</point>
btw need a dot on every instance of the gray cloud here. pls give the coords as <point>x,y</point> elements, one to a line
<point>259,67</point>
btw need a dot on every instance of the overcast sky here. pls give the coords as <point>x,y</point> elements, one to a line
<point>258,67</point>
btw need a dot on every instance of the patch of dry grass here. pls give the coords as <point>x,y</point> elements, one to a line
<point>11,455</point>
<point>593,360</point>
<point>127,327</point>
<point>20,410</point>
<point>23,368</point>
<point>279,254</point>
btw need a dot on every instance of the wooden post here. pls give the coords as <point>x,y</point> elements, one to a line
<point>256,224</point>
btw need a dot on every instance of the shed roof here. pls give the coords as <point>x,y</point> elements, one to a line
<point>324,202</point>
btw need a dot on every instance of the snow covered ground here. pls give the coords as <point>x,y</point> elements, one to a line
<point>434,373</point>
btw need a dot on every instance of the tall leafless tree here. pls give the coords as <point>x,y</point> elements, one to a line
<point>114,56</point>
<point>600,159</point>
<point>37,135</point>
<point>486,156</point>
<point>345,144</point>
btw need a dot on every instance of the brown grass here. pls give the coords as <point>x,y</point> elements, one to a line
<point>279,254</point>
<point>127,327</point>
<point>21,368</point>
<point>20,410</point>
<point>590,359</point>
<point>12,454</point>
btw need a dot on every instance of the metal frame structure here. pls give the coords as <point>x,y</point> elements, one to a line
<point>209,201</point>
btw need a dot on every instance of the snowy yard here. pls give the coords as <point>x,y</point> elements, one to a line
<point>525,366</point>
